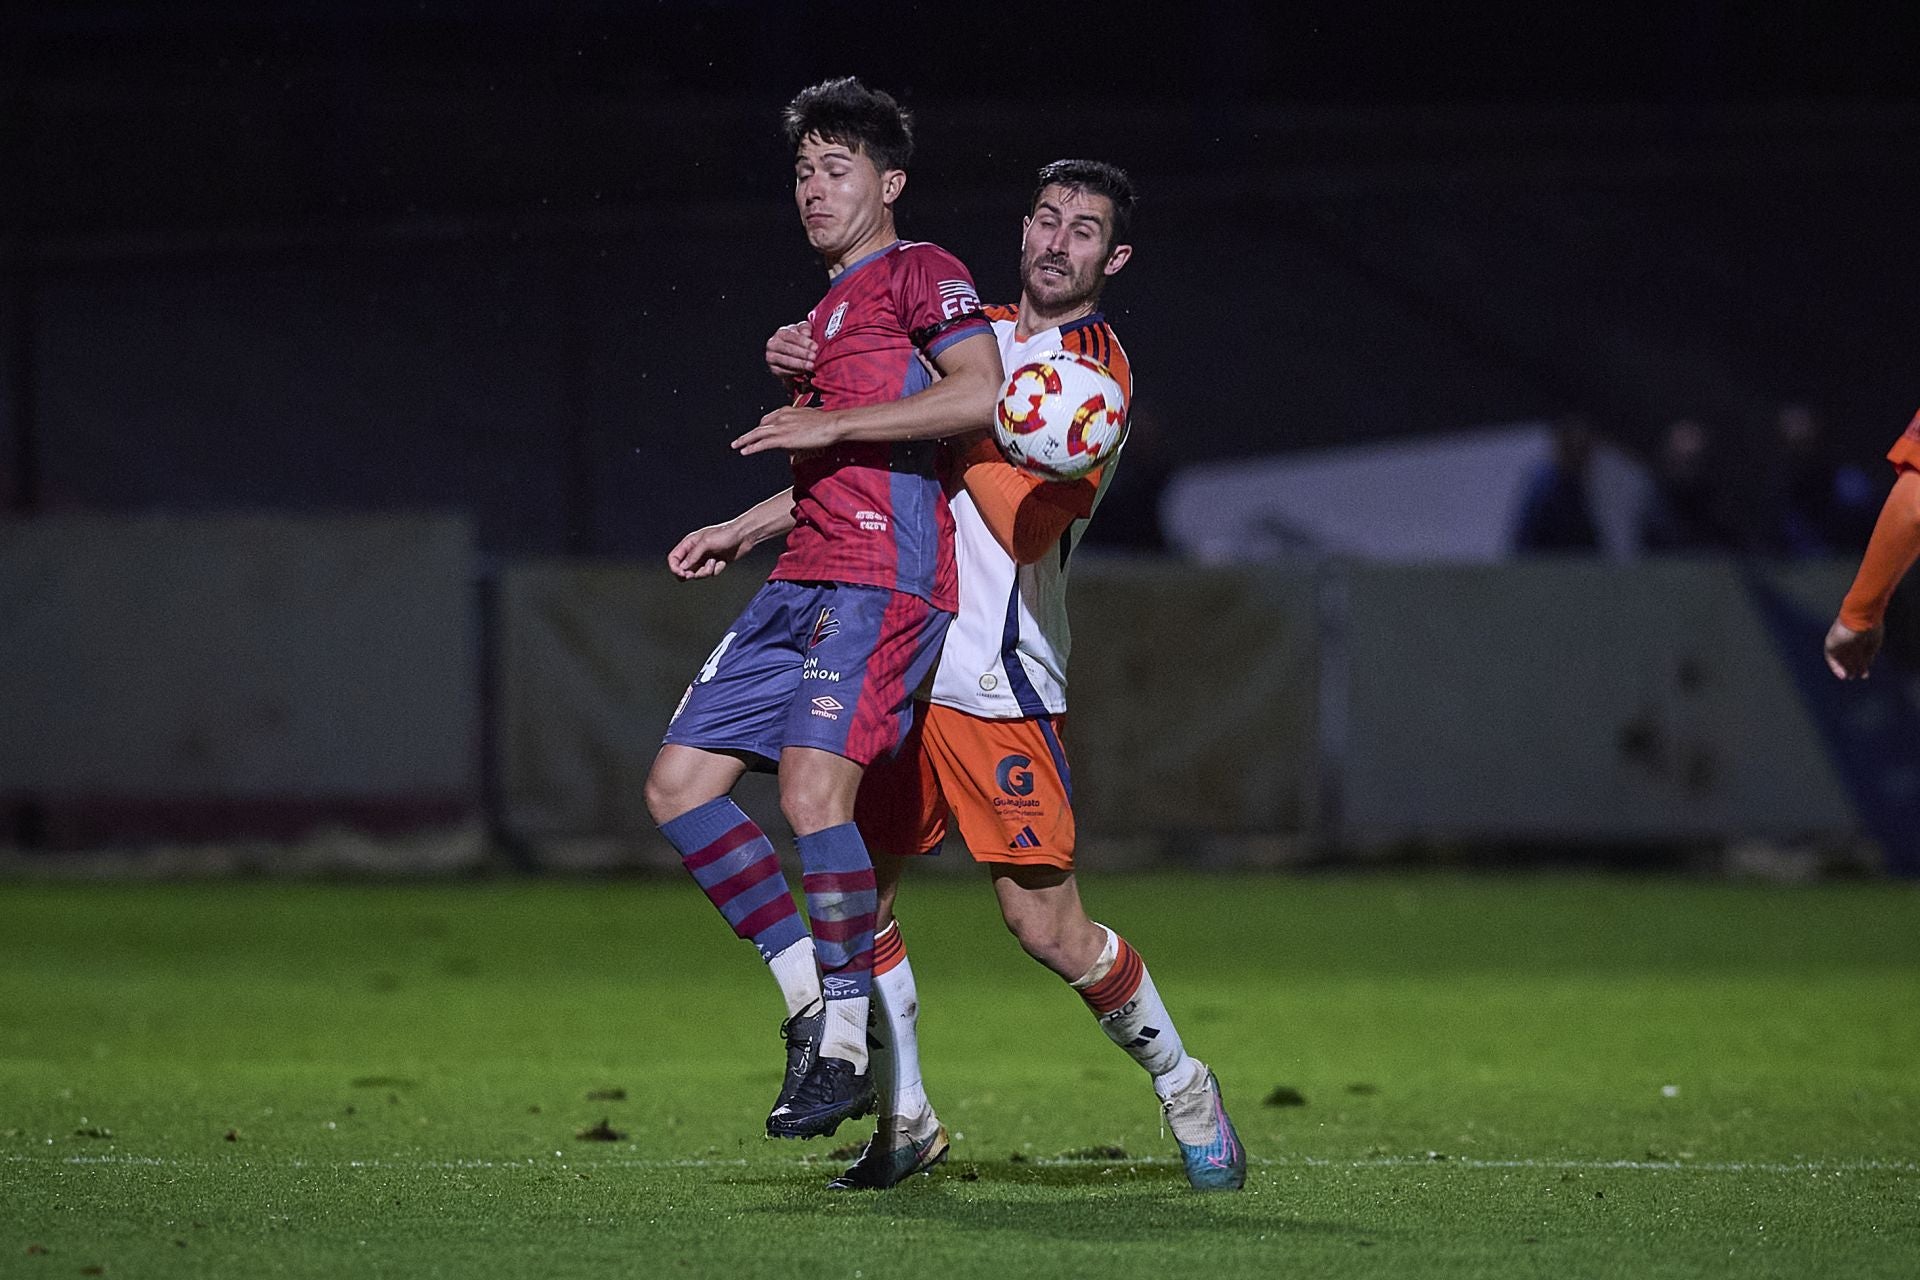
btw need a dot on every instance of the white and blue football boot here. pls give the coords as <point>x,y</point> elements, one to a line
<point>898,1149</point>
<point>1209,1147</point>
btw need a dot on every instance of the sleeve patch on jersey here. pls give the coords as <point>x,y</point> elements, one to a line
<point>957,298</point>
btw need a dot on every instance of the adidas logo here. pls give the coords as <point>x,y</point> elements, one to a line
<point>1025,840</point>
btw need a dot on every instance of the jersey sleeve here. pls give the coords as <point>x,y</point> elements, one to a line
<point>1890,553</point>
<point>1026,515</point>
<point>1905,453</point>
<point>935,299</point>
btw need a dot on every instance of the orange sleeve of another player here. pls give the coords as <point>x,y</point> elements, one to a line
<point>1906,450</point>
<point>1026,515</point>
<point>1895,544</point>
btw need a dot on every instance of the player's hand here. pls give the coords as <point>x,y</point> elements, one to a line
<point>705,552</point>
<point>791,351</point>
<point>1850,653</point>
<point>793,429</point>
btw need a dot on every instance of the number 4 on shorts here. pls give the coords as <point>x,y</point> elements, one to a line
<point>712,664</point>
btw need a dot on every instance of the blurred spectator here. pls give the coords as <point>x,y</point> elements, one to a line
<point>1683,512</point>
<point>1555,513</point>
<point>1129,514</point>
<point>1819,506</point>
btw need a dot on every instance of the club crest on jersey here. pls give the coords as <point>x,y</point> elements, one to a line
<point>835,320</point>
<point>824,626</point>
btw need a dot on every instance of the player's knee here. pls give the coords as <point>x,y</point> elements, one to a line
<point>660,800</point>
<point>669,795</point>
<point>813,808</point>
<point>1039,934</point>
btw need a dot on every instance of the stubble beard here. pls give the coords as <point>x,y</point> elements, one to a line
<point>1062,293</point>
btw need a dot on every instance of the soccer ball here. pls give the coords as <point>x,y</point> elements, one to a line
<point>1060,416</point>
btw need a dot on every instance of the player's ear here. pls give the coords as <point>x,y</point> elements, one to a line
<point>892,183</point>
<point>1117,258</point>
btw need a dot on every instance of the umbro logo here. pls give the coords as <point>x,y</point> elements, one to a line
<point>1025,840</point>
<point>828,707</point>
<point>831,985</point>
<point>1147,1036</point>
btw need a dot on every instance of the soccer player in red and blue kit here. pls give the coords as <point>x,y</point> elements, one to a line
<point>816,676</point>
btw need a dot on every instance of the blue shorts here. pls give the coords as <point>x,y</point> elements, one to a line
<point>813,664</point>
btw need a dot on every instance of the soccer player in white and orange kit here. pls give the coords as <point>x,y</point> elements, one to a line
<point>986,749</point>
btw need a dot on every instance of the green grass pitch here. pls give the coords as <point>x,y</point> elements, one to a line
<point>1533,1076</point>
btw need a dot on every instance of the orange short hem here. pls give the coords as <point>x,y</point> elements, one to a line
<point>1001,782</point>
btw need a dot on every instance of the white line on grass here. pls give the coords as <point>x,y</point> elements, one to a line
<point>1271,1162</point>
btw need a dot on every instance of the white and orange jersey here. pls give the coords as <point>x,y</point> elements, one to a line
<point>1006,652</point>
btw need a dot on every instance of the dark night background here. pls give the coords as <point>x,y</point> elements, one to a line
<point>441,256</point>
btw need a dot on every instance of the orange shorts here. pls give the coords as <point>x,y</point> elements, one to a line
<point>1005,781</point>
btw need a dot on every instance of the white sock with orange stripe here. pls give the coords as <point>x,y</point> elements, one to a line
<point>1122,996</point>
<point>893,1030</point>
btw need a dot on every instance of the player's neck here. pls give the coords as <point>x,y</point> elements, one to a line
<point>882,236</point>
<point>1035,319</point>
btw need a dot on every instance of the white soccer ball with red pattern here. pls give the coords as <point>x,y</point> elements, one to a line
<point>1060,416</point>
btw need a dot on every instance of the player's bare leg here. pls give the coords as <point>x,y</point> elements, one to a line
<point>684,778</point>
<point>817,790</point>
<point>1042,908</point>
<point>909,1137</point>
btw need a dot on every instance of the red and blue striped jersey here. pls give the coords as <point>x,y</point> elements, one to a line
<point>875,513</point>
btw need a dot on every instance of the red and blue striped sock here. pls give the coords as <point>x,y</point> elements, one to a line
<point>837,878</point>
<point>734,863</point>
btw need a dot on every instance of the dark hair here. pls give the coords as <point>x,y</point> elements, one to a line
<point>847,112</point>
<point>1097,177</point>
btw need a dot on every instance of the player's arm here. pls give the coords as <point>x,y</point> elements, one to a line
<point>1854,639</point>
<point>1026,515</point>
<point>961,401</point>
<point>705,552</point>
